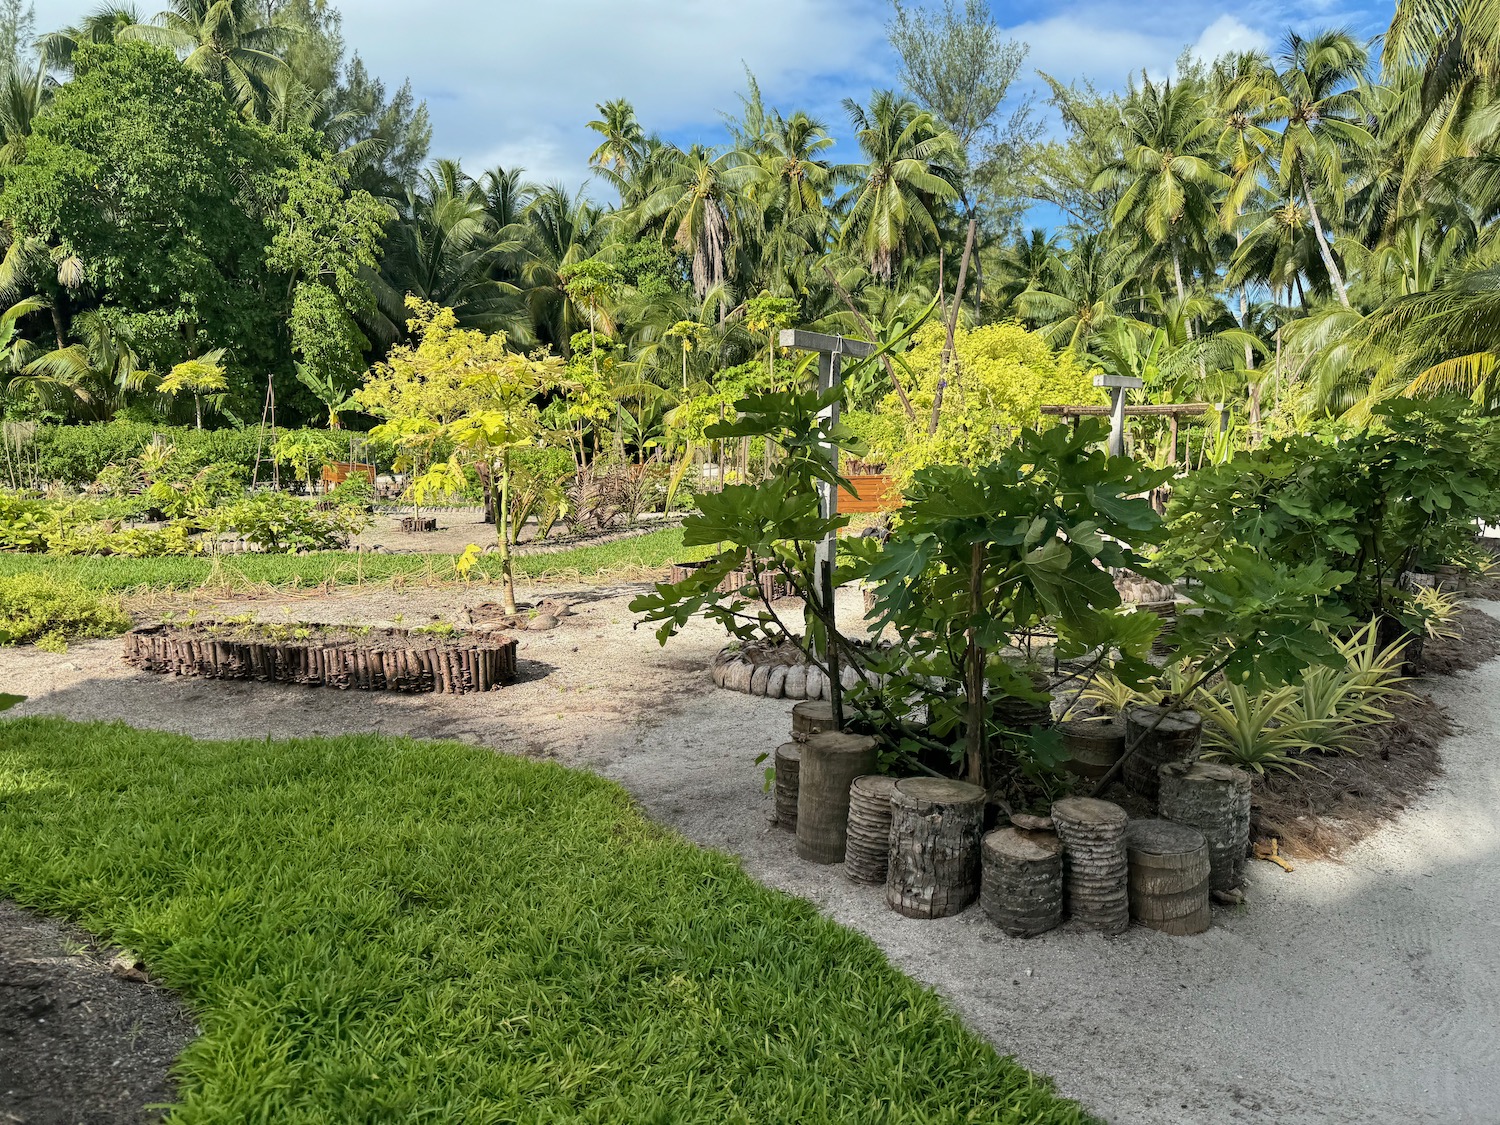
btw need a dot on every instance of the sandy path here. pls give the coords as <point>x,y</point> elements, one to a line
<point>1362,991</point>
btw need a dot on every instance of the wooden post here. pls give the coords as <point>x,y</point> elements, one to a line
<point>934,861</point>
<point>1022,889</point>
<point>1093,746</point>
<point>1169,876</point>
<point>810,717</point>
<point>868,847</point>
<point>1215,799</point>
<point>1093,840</point>
<point>830,763</point>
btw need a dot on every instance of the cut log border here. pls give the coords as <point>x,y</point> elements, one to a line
<point>456,665</point>
<point>770,587</point>
<point>731,669</point>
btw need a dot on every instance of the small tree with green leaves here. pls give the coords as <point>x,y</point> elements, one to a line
<point>203,378</point>
<point>770,315</point>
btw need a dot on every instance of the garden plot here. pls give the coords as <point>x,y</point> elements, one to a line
<point>1343,992</point>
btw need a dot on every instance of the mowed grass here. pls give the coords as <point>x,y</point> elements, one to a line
<point>373,929</point>
<point>107,574</point>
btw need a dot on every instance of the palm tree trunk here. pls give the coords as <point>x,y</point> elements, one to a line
<point>947,356</point>
<point>1187,321</point>
<point>502,521</point>
<point>1323,248</point>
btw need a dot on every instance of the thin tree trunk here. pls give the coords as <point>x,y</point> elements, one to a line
<point>947,357</point>
<point>974,660</point>
<point>1323,248</point>
<point>502,521</point>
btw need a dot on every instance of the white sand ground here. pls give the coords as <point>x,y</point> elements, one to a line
<point>1360,991</point>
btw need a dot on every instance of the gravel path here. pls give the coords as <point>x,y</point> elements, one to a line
<point>1366,990</point>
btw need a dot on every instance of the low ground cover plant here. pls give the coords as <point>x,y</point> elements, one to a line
<point>50,611</point>
<point>371,929</point>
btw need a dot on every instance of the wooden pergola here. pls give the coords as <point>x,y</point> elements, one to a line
<point>1170,410</point>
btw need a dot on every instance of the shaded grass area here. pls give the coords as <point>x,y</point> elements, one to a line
<point>373,929</point>
<point>108,574</point>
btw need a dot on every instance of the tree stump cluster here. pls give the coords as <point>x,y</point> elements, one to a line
<point>830,763</point>
<point>934,855</point>
<point>1095,870</point>
<point>868,847</point>
<point>413,524</point>
<point>1169,876</point>
<point>348,659</point>
<point>1022,880</point>
<point>1093,745</point>
<point>1215,799</point>
<point>1176,738</point>
<point>788,763</point>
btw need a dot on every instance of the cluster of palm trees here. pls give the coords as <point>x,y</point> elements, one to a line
<point>1319,221</point>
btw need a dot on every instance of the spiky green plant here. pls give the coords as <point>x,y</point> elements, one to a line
<point>1260,731</point>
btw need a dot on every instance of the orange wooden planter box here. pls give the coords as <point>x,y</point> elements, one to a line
<point>870,494</point>
<point>337,472</point>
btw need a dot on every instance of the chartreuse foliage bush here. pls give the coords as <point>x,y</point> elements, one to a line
<point>999,377</point>
<point>373,929</point>
<point>51,611</point>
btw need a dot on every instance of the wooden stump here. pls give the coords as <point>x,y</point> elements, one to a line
<point>810,717</point>
<point>1093,840</point>
<point>413,524</point>
<point>788,763</point>
<point>1169,876</point>
<point>868,848</point>
<point>1093,746</point>
<point>830,763</point>
<point>1215,799</point>
<point>934,863</point>
<point>1176,739</point>
<point>1022,888</point>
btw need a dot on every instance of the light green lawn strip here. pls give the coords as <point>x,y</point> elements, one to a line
<point>651,551</point>
<point>373,929</point>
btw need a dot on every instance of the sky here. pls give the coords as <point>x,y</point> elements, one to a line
<point>513,82</point>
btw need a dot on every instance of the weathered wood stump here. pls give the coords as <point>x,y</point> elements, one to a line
<point>1169,876</point>
<point>414,524</point>
<point>1176,738</point>
<point>812,716</point>
<point>1093,841</point>
<point>830,763</point>
<point>1093,745</point>
<point>934,863</point>
<point>1215,799</point>
<point>868,848</point>
<point>788,763</point>
<point>1022,887</point>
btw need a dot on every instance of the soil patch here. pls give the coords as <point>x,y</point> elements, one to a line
<point>78,1042</point>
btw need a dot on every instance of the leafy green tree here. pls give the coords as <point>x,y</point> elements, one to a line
<point>202,378</point>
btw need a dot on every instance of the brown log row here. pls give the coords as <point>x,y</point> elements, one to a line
<point>478,664</point>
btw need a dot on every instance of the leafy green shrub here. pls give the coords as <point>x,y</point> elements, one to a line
<point>276,522</point>
<point>40,608</point>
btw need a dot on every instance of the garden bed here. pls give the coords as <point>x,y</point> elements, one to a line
<point>326,656</point>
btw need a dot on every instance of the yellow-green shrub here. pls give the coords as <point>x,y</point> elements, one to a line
<point>999,378</point>
<point>50,611</point>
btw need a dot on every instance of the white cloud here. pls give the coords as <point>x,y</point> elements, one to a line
<point>1227,35</point>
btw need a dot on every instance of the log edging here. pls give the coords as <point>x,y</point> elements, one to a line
<point>459,665</point>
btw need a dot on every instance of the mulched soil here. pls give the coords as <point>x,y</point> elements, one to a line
<point>79,1043</point>
<point>1317,814</point>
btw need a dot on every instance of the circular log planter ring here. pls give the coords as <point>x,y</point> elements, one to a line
<point>788,766</point>
<point>868,848</point>
<point>1177,738</point>
<point>1093,745</point>
<point>413,524</point>
<point>1094,862</point>
<point>1022,880</point>
<point>934,861</point>
<point>774,671</point>
<point>1215,799</point>
<point>328,656</point>
<point>830,763</point>
<point>1169,876</point>
<point>769,587</point>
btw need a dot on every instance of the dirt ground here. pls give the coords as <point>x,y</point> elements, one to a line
<point>79,1045</point>
<point>1361,990</point>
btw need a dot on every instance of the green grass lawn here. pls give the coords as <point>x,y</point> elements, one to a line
<point>373,929</point>
<point>121,575</point>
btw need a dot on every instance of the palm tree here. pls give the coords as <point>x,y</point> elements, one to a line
<point>624,141</point>
<point>1167,174</point>
<point>911,167</point>
<point>226,41</point>
<point>1317,98</point>
<point>700,209</point>
<point>1079,297</point>
<point>561,230</point>
<point>1024,265</point>
<point>23,93</point>
<point>102,25</point>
